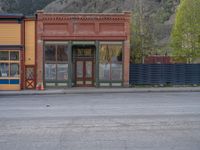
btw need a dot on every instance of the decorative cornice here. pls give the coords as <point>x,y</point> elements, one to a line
<point>104,17</point>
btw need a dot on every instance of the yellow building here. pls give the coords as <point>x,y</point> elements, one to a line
<point>17,52</point>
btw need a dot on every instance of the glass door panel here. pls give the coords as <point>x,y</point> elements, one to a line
<point>79,69</point>
<point>88,65</point>
<point>84,73</point>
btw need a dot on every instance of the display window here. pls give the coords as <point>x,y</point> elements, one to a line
<point>9,66</point>
<point>56,63</point>
<point>110,62</point>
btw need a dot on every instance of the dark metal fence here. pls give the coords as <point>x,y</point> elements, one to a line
<point>174,74</point>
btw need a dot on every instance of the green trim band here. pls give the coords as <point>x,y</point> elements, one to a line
<point>83,42</point>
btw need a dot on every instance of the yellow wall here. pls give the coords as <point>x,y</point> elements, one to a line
<point>10,34</point>
<point>29,42</point>
<point>9,87</point>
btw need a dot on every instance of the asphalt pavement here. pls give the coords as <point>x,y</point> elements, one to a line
<point>101,121</point>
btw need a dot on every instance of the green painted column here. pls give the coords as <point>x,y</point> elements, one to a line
<point>70,65</point>
<point>97,63</point>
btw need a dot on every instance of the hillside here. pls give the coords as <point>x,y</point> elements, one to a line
<point>27,7</point>
<point>154,17</point>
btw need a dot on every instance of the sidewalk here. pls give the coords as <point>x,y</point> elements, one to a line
<point>99,90</point>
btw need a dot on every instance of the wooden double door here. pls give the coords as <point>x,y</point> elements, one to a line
<point>84,74</point>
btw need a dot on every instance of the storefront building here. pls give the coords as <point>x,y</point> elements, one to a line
<point>83,49</point>
<point>11,51</point>
<point>17,53</point>
<point>65,50</point>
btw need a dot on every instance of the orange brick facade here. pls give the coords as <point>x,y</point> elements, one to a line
<point>83,27</point>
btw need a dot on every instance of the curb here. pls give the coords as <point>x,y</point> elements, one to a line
<point>100,91</point>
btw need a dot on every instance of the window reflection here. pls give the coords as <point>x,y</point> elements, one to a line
<point>4,70</point>
<point>14,70</point>
<point>116,72</point>
<point>10,64</point>
<point>79,69</point>
<point>111,53</point>
<point>56,62</point>
<point>110,59</point>
<point>88,69</point>
<point>62,71</point>
<point>14,55</point>
<point>62,53</point>
<point>50,53</point>
<point>104,71</point>
<point>50,71</point>
<point>4,55</point>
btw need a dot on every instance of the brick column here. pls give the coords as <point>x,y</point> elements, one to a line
<point>39,43</point>
<point>126,62</point>
<point>127,50</point>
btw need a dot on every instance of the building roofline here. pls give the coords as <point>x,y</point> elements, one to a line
<point>85,14</point>
<point>11,16</point>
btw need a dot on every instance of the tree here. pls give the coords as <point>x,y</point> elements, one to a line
<point>136,40</point>
<point>142,40</point>
<point>185,37</point>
